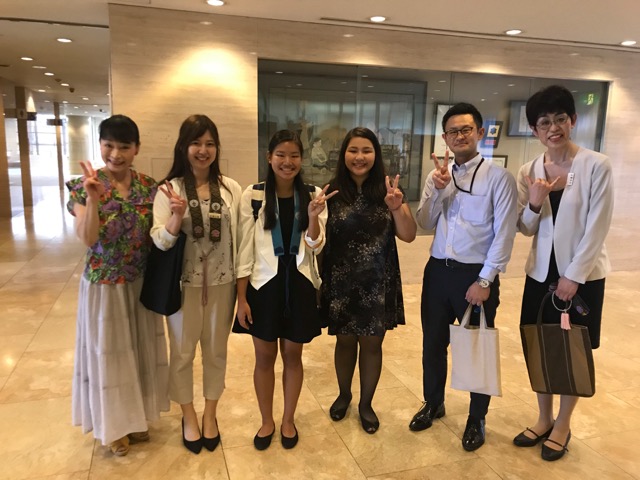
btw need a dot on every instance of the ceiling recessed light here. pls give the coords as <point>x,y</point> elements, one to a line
<point>64,84</point>
<point>348,35</point>
<point>279,72</point>
<point>26,59</point>
<point>215,3</point>
<point>515,31</point>
<point>85,98</point>
<point>378,18</point>
<point>206,23</point>
<point>628,43</point>
<point>369,86</point>
<point>511,85</point>
<point>41,67</point>
<point>64,40</point>
<point>574,54</point>
<point>483,99</point>
<point>64,101</point>
<point>41,90</point>
<point>95,105</point>
<point>365,76</point>
<point>75,107</point>
<point>49,74</point>
<point>47,101</point>
<point>298,84</point>
<point>343,83</point>
<point>442,81</point>
<point>436,90</point>
<point>495,93</point>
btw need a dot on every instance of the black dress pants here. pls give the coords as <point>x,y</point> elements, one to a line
<point>444,287</point>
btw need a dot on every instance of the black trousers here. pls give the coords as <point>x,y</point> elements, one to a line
<point>443,291</point>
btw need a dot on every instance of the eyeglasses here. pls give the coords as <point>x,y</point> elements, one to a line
<point>545,123</point>
<point>453,133</point>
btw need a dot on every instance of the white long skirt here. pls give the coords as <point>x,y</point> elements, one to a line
<point>121,371</point>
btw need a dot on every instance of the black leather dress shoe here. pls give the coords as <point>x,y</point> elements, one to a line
<point>521,440</point>
<point>424,418</point>
<point>473,437</point>
<point>551,455</point>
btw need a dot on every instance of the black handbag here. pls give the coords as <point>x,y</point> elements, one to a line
<point>558,361</point>
<point>161,286</point>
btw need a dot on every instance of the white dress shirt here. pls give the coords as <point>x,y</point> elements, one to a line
<point>477,227</point>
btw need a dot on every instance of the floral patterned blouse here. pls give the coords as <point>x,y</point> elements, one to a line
<point>120,254</point>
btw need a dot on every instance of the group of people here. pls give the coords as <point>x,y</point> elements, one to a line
<point>271,248</point>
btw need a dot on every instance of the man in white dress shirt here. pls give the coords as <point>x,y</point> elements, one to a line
<point>472,205</point>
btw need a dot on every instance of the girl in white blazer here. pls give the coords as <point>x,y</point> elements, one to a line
<point>565,201</point>
<point>199,201</point>
<point>282,225</point>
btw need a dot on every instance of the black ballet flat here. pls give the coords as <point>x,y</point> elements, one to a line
<point>289,442</point>
<point>521,440</point>
<point>551,455</point>
<point>210,443</point>
<point>369,426</point>
<point>193,446</point>
<point>338,410</point>
<point>262,443</point>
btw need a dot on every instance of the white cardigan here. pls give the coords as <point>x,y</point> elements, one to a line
<point>256,257</point>
<point>161,213</point>
<point>582,223</point>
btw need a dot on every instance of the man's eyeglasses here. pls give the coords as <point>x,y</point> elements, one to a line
<point>545,123</point>
<point>453,133</point>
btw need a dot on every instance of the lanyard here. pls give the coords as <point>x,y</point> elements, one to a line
<point>473,178</point>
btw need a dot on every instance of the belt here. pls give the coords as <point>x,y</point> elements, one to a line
<point>450,263</point>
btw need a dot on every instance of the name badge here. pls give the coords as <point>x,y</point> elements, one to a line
<point>570,179</point>
<point>214,215</point>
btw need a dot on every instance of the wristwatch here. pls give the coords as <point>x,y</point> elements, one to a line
<point>483,282</point>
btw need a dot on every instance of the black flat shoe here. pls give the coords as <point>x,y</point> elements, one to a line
<point>262,443</point>
<point>369,426</point>
<point>425,416</point>
<point>289,442</point>
<point>210,443</point>
<point>193,446</point>
<point>473,437</point>
<point>551,455</point>
<point>339,409</point>
<point>521,440</point>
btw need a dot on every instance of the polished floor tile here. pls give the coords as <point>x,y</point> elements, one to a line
<point>40,267</point>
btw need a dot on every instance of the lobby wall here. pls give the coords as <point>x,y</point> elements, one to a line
<point>166,65</point>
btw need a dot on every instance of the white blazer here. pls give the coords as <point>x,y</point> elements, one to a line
<point>582,223</point>
<point>256,257</point>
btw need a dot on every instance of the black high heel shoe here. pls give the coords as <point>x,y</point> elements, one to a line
<point>369,426</point>
<point>193,446</point>
<point>210,443</point>
<point>339,409</point>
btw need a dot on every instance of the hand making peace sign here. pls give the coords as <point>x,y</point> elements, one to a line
<point>441,176</point>
<point>318,204</point>
<point>393,198</point>
<point>177,204</point>
<point>91,184</point>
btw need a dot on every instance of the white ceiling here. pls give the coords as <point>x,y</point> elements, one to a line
<point>84,64</point>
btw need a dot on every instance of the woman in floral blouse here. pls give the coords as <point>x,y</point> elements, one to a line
<point>120,372</point>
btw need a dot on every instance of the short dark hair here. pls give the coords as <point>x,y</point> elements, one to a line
<point>119,128</point>
<point>373,187</point>
<point>552,99</point>
<point>463,109</point>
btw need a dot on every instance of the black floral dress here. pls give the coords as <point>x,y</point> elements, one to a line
<point>361,291</point>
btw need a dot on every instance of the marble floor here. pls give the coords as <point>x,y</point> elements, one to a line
<point>40,265</point>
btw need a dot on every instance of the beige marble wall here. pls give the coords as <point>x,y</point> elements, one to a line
<point>167,65</point>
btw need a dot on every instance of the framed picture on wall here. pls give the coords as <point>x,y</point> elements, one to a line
<point>439,145</point>
<point>492,131</point>
<point>500,160</point>
<point>518,124</point>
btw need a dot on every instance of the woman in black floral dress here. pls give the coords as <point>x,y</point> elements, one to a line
<point>361,289</point>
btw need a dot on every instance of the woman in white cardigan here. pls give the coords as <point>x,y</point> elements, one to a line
<point>282,223</point>
<point>199,201</point>
<point>565,201</point>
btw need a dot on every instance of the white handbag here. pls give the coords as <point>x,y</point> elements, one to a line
<point>475,356</point>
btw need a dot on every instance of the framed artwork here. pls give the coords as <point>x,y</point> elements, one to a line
<point>500,160</point>
<point>518,124</point>
<point>492,131</point>
<point>439,145</point>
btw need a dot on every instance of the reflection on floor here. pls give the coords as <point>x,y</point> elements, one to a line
<point>40,264</point>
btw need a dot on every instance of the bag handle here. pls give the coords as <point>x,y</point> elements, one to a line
<point>464,322</point>
<point>544,301</point>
